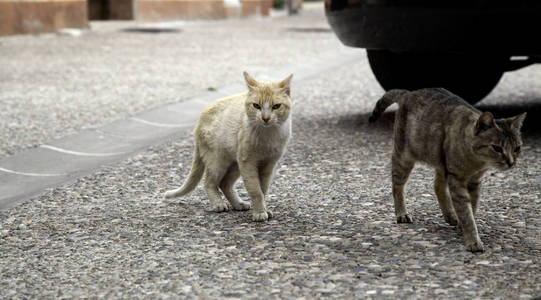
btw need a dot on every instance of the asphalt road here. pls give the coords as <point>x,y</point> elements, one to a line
<point>110,234</point>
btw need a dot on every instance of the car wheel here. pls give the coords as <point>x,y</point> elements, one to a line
<point>471,77</point>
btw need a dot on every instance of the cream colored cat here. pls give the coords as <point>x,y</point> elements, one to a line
<point>245,134</point>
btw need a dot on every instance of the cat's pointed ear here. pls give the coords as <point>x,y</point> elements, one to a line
<point>516,122</point>
<point>250,81</point>
<point>285,84</point>
<point>485,121</point>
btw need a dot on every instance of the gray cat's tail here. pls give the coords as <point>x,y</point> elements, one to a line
<point>388,98</point>
<point>198,168</point>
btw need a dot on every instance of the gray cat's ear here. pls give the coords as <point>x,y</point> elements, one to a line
<point>285,84</point>
<point>485,121</point>
<point>516,122</point>
<point>250,81</point>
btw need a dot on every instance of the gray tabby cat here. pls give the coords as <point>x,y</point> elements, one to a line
<point>440,129</point>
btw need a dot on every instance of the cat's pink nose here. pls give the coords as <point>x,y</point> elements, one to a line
<point>266,120</point>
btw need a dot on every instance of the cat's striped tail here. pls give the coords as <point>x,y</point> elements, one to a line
<point>198,168</point>
<point>388,98</point>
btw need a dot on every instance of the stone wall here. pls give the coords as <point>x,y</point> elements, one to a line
<point>152,10</point>
<point>38,16</point>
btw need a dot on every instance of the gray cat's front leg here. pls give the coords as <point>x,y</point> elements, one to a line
<point>444,198</point>
<point>250,175</point>
<point>473,190</point>
<point>464,212</point>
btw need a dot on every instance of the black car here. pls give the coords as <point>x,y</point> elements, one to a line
<point>464,46</point>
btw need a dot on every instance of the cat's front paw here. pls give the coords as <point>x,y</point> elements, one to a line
<point>451,219</point>
<point>221,207</point>
<point>241,205</point>
<point>475,246</point>
<point>404,219</point>
<point>261,217</point>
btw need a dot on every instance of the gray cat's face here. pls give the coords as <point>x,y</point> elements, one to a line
<point>498,142</point>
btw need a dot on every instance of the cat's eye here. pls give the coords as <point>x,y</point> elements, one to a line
<point>497,149</point>
<point>517,149</point>
<point>257,106</point>
<point>276,106</point>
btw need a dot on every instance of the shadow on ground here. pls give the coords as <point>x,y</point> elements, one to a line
<point>530,128</point>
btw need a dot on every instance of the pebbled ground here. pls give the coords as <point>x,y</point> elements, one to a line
<point>111,235</point>
<point>53,85</point>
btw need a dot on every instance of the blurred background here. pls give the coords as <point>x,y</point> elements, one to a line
<point>38,16</point>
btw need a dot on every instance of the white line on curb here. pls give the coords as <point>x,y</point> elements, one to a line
<point>79,153</point>
<point>31,174</point>
<point>158,124</point>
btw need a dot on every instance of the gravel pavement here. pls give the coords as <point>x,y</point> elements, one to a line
<point>111,235</point>
<point>55,85</point>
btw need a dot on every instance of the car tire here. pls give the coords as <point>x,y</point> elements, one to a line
<point>471,77</point>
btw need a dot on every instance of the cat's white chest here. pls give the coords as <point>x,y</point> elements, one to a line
<point>269,142</point>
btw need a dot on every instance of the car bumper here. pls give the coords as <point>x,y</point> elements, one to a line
<point>447,27</point>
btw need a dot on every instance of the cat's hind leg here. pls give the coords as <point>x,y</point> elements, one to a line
<point>214,175</point>
<point>401,169</point>
<point>444,198</point>
<point>227,186</point>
